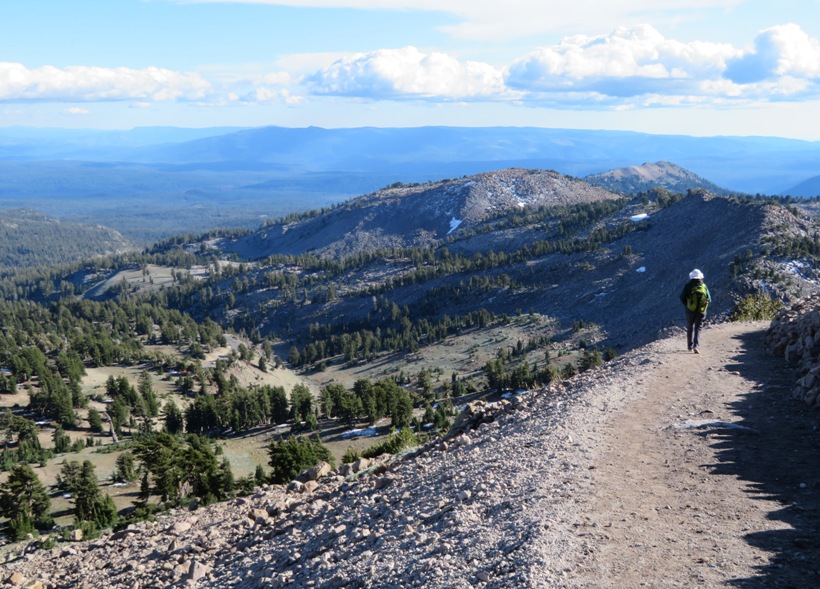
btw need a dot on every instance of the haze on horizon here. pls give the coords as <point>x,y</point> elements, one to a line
<point>693,67</point>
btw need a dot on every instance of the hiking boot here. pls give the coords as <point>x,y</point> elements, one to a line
<point>695,350</point>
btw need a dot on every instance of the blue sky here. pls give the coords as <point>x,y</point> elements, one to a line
<point>695,67</point>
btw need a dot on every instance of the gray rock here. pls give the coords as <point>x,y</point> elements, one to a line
<point>320,470</point>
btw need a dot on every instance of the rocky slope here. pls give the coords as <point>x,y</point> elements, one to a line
<point>417,215</point>
<point>633,295</point>
<point>633,179</point>
<point>616,479</point>
<point>795,336</point>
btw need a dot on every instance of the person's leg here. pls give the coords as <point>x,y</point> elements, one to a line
<point>697,321</point>
<point>690,324</point>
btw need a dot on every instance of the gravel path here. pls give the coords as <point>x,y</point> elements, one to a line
<point>663,469</point>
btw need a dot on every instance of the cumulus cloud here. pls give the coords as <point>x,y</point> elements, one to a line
<point>781,51</point>
<point>632,67</point>
<point>408,73</point>
<point>639,67</point>
<point>87,84</point>
<point>630,61</point>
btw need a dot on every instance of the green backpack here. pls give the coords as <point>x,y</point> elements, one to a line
<point>698,298</point>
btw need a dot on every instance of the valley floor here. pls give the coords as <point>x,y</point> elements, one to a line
<point>663,469</point>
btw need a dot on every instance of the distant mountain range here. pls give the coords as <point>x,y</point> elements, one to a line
<point>747,164</point>
<point>150,183</point>
<point>807,188</point>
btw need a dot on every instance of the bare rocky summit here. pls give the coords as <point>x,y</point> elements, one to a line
<point>633,179</point>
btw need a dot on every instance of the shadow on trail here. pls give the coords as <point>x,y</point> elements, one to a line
<point>781,463</point>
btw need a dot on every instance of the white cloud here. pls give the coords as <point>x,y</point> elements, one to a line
<point>408,73</point>
<point>632,67</point>
<point>781,51</point>
<point>267,95</point>
<point>85,84</point>
<point>630,61</point>
<point>77,111</point>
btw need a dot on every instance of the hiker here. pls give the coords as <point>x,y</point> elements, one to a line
<point>696,298</point>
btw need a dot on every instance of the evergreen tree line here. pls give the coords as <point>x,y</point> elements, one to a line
<point>393,333</point>
<point>505,373</point>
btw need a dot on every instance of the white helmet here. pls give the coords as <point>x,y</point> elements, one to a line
<point>696,274</point>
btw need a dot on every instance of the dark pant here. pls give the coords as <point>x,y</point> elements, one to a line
<point>693,323</point>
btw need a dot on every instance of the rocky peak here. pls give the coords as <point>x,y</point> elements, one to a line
<point>661,174</point>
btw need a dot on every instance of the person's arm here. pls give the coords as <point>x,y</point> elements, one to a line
<point>684,293</point>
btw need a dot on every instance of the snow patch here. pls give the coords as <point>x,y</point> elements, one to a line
<point>801,270</point>
<point>641,269</point>
<point>641,217</point>
<point>360,433</point>
<point>510,395</point>
<point>454,223</point>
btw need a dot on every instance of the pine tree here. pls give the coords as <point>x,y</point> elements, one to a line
<point>62,442</point>
<point>95,421</point>
<point>174,422</point>
<point>24,501</point>
<point>124,469</point>
<point>90,503</point>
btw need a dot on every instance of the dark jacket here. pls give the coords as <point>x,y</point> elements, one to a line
<point>688,289</point>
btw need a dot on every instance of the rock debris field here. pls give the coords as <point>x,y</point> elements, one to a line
<point>662,469</point>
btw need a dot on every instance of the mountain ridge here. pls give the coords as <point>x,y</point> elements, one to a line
<point>416,215</point>
<point>666,175</point>
<point>753,165</point>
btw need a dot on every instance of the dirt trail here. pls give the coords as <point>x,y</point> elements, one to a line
<point>710,478</point>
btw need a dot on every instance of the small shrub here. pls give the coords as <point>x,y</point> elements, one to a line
<point>591,358</point>
<point>393,444</point>
<point>245,485</point>
<point>755,307</point>
<point>290,457</point>
<point>351,456</point>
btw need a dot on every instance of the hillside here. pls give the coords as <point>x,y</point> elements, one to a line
<point>634,179</point>
<point>808,188</point>
<point>584,262</point>
<point>416,215</point>
<point>29,238</point>
<point>664,469</point>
